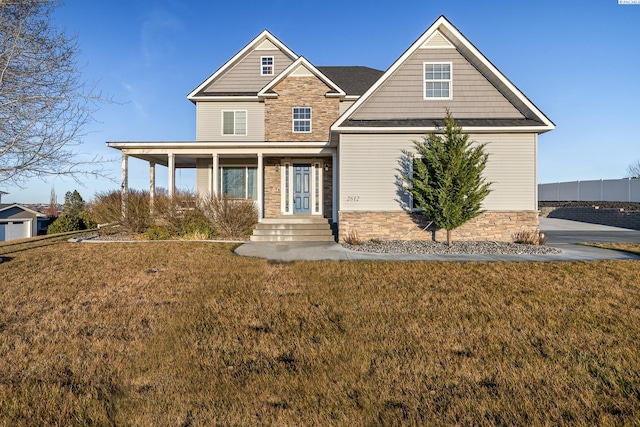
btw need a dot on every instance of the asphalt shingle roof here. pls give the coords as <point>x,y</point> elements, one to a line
<point>432,123</point>
<point>354,80</point>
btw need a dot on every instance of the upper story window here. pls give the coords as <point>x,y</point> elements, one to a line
<point>234,122</point>
<point>266,65</point>
<point>302,119</point>
<point>437,80</point>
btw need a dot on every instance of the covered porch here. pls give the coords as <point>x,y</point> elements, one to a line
<point>287,179</point>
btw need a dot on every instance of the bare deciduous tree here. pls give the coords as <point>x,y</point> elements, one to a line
<point>634,169</point>
<point>44,103</point>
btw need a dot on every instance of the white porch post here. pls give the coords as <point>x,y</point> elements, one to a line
<point>215,186</point>
<point>334,186</point>
<point>260,186</point>
<point>152,184</point>
<point>171,164</point>
<point>124,186</point>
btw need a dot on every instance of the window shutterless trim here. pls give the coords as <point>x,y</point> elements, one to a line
<point>235,133</point>
<point>449,81</point>
<point>268,66</point>
<point>301,120</point>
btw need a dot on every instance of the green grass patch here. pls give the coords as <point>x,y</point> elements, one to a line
<point>186,333</point>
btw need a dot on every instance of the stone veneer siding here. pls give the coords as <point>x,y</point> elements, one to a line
<point>300,92</point>
<point>488,226</point>
<point>272,197</point>
<point>273,186</point>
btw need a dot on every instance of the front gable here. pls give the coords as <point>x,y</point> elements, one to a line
<point>244,74</point>
<point>300,88</point>
<point>478,95</point>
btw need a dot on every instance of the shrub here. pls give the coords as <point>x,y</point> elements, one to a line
<point>107,209</point>
<point>87,220</point>
<point>64,224</point>
<point>530,237</point>
<point>352,238</point>
<point>230,217</point>
<point>195,225</point>
<point>156,232</point>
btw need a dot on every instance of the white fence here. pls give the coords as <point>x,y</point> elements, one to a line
<point>604,190</point>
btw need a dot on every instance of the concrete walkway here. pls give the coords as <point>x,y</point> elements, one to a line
<point>562,234</point>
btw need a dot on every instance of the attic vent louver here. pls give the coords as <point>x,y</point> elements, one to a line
<point>437,41</point>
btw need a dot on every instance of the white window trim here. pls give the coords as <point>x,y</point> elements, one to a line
<point>273,66</point>
<point>293,127</point>
<point>246,181</point>
<point>424,80</point>
<point>246,125</point>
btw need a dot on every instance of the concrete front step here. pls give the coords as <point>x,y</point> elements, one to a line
<point>293,238</point>
<point>298,228</point>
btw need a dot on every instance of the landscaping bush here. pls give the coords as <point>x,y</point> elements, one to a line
<point>156,232</point>
<point>230,217</point>
<point>183,216</point>
<point>107,209</point>
<point>530,237</point>
<point>64,224</point>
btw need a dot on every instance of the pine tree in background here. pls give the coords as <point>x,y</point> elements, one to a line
<point>447,183</point>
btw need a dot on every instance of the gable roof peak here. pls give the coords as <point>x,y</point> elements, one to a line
<point>261,38</point>
<point>301,62</point>
<point>471,53</point>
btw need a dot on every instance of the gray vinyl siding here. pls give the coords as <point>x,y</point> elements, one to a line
<point>245,75</point>
<point>203,176</point>
<point>344,105</point>
<point>209,120</point>
<point>402,95</point>
<point>370,171</point>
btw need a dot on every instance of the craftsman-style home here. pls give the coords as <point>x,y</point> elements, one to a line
<point>325,144</point>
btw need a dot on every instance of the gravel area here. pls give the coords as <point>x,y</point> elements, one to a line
<point>430,247</point>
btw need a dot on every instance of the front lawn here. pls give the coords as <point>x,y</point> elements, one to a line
<point>186,333</point>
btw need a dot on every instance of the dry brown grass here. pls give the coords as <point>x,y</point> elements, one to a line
<point>633,248</point>
<point>186,333</point>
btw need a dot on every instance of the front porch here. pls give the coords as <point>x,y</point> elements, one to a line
<point>289,180</point>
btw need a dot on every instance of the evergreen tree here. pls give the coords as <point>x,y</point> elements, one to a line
<point>447,183</point>
<point>73,204</point>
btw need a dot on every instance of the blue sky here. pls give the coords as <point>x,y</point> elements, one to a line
<point>578,61</point>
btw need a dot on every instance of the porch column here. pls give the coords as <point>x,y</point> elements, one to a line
<point>334,186</point>
<point>171,164</point>
<point>215,186</point>
<point>124,186</point>
<point>260,186</point>
<point>152,184</point>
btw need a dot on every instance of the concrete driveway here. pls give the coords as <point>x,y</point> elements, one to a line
<point>560,231</point>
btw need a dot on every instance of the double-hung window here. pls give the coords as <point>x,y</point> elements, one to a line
<point>437,80</point>
<point>301,119</point>
<point>266,65</point>
<point>234,122</point>
<point>239,182</point>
